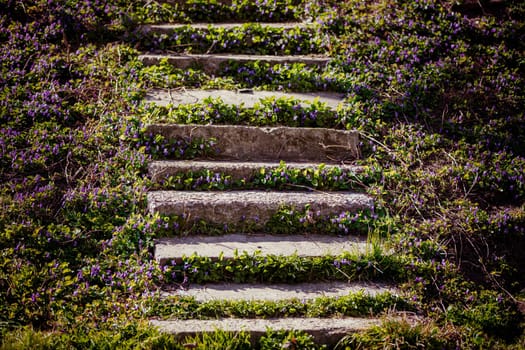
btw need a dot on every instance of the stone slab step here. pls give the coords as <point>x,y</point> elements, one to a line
<point>167,28</point>
<point>249,143</point>
<point>276,292</point>
<point>248,98</point>
<point>160,170</point>
<point>213,64</point>
<point>175,248</point>
<point>237,207</point>
<point>324,330</point>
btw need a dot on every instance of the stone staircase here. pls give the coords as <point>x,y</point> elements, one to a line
<point>240,153</point>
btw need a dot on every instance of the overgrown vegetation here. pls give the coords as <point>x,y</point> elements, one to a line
<point>437,95</point>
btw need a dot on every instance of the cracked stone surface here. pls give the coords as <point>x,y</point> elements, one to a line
<point>324,330</point>
<point>249,143</point>
<point>214,63</point>
<point>174,248</point>
<point>165,97</point>
<point>231,207</point>
<point>276,292</point>
<point>162,169</point>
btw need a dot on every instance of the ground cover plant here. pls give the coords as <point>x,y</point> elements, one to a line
<point>435,91</point>
<point>260,75</point>
<point>266,112</point>
<point>253,38</point>
<point>215,11</point>
<point>322,177</point>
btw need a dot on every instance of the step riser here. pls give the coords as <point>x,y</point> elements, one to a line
<point>324,331</point>
<point>161,170</point>
<point>213,64</point>
<point>236,208</point>
<point>269,143</point>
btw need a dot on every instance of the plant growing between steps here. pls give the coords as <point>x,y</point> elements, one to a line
<point>286,220</point>
<point>261,75</point>
<point>288,340</point>
<point>250,268</point>
<point>216,11</point>
<point>268,111</point>
<point>250,38</point>
<point>184,148</point>
<point>352,305</point>
<point>282,177</point>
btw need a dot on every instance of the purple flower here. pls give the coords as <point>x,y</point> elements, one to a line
<point>95,270</point>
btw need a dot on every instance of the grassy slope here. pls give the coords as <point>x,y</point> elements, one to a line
<point>437,97</point>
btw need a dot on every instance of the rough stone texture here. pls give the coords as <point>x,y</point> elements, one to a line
<point>214,63</point>
<point>160,170</point>
<point>164,97</point>
<point>276,292</point>
<point>249,143</point>
<point>174,248</point>
<point>324,330</point>
<point>169,27</point>
<point>234,207</point>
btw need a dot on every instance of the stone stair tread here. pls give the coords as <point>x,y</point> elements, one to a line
<point>248,99</point>
<point>324,330</point>
<point>251,143</point>
<point>276,292</point>
<point>311,245</point>
<point>212,63</point>
<point>162,169</point>
<point>168,27</point>
<point>230,207</point>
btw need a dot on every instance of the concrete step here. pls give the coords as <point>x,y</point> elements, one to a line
<point>279,292</point>
<point>238,207</point>
<point>227,246</point>
<point>168,28</point>
<point>160,170</point>
<point>245,98</point>
<point>213,64</point>
<point>247,143</point>
<point>324,330</point>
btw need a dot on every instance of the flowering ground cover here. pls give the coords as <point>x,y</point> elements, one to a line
<point>436,94</point>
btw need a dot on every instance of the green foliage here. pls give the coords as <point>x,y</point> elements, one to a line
<point>250,268</point>
<point>488,312</point>
<point>266,112</point>
<point>260,75</point>
<point>218,340</point>
<point>402,334</point>
<point>214,11</point>
<point>286,220</point>
<point>122,336</point>
<point>276,340</point>
<point>253,38</point>
<point>352,305</point>
<point>321,177</point>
